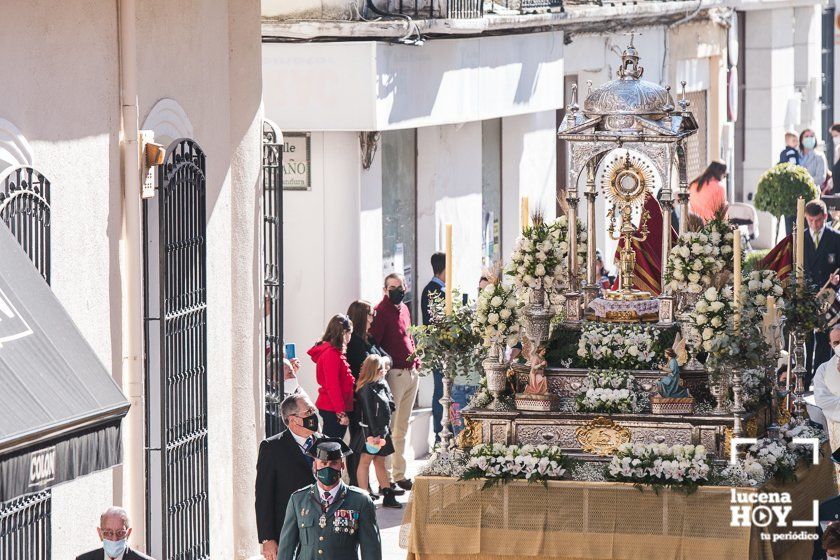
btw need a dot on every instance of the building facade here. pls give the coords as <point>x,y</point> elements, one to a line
<point>167,289</point>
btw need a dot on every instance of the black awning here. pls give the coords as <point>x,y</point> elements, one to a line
<point>60,410</point>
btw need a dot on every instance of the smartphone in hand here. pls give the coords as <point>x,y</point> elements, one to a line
<point>291,354</point>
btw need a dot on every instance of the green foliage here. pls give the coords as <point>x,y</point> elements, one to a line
<point>781,186</point>
<point>753,260</point>
<point>449,342</point>
<point>802,308</point>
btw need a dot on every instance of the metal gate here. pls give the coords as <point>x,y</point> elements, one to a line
<point>25,208</point>
<point>25,522</point>
<point>25,527</point>
<point>273,276</point>
<point>827,92</point>
<point>177,353</point>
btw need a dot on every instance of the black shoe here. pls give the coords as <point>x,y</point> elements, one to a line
<point>373,495</point>
<point>405,484</point>
<point>390,500</point>
<point>397,490</point>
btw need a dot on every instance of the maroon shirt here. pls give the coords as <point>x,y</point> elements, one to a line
<point>390,331</point>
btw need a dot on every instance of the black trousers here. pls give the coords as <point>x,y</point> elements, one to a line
<point>817,352</point>
<point>332,427</point>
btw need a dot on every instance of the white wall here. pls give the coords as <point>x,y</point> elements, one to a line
<point>529,168</point>
<point>322,245</point>
<point>379,86</point>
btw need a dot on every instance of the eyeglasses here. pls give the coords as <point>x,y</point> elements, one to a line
<point>114,535</point>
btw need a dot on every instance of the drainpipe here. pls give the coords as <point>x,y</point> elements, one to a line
<point>131,252</point>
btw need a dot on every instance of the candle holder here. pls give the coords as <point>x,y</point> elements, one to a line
<point>773,379</point>
<point>719,390</point>
<point>799,371</point>
<point>495,368</point>
<point>737,404</point>
<point>445,401</point>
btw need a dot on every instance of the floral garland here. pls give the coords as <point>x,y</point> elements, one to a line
<point>759,285</point>
<point>609,391</point>
<point>502,463</point>
<point>619,346</point>
<point>538,259</point>
<point>660,465</point>
<point>697,257</point>
<point>710,316</point>
<point>496,317</point>
<point>777,457</point>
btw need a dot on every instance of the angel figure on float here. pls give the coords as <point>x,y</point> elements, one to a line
<point>670,385</point>
<point>537,382</point>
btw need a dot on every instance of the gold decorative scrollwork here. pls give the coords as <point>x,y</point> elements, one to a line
<point>602,436</point>
<point>470,436</point>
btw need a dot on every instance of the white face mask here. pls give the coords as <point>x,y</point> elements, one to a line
<point>290,385</point>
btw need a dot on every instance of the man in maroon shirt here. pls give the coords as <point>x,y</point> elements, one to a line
<point>390,331</point>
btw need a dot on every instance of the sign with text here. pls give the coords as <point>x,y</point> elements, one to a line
<point>296,161</point>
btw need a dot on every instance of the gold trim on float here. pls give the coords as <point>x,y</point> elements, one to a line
<point>602,436</point>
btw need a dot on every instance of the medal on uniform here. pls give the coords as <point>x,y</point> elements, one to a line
<point>322,522</point>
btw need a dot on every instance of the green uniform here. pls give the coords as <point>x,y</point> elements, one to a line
<point>310,533</point>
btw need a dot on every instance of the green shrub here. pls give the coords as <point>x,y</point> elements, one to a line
<point>780,187</point>
<point>753,260</point>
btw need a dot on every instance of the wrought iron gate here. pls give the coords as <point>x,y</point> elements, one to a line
<point>25,208</point>
<point>181,350</point>
<point>273,276</point>
<point>25,523</point>
<point>827,91</point>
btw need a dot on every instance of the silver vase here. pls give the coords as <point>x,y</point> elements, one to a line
<point>719,391</point>
<point>495,368</point>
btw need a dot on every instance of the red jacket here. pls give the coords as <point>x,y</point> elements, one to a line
<point>335,382</point>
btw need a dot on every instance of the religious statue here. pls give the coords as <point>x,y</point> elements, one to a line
<point>537,382</point>
<point>671,386</point>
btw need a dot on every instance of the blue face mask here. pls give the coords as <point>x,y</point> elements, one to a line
<point>374,449</point>
<point>114,548</point>
<point>328,476</point>
<point>809,142</point>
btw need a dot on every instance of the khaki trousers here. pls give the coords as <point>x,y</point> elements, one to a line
<point>403,384</point>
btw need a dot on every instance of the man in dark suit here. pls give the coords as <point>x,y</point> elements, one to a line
<point>822,259</point>
<point>435,286</point>
<point>283,468</point>
<point>114,530</point>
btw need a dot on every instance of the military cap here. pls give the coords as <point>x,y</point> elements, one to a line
<point>329,449</point>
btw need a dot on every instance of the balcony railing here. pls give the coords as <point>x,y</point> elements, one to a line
<point>463,9</point>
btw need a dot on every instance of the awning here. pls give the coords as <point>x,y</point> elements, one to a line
<point>60,410</point>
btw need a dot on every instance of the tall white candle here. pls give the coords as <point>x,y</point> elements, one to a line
<point>800,239</point>
<point>525,217</point>
<point>448,302</point>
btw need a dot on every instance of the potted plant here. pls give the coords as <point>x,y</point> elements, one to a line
<point>780,187</point>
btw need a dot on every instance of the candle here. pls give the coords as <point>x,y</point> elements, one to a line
<point>736,265</point>
<point>769,320</point>
<point>799,261</point>
<point>525,218</point>
<point>448,269</point>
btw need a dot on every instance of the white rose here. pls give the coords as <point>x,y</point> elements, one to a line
<point>716,306</point>
<point>702,306</point>
<point>496,301</point>
<point>711,294</point>
<point>753,285</point>
<point>493,318</point>
<point>539,270</point>
<point>700,319</point>
<point>505,313</point>
<point>708,333</point>
<point>716,322</point>
<point>694,277</point>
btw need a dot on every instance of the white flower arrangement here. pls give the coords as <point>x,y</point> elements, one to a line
<point>539,257</point>
<point>697,257</point>
<point>497,315</point>
<point>760,284</point>
<point>620,346</point>
<point>659,464</point>
<point>756,390</point>
<point>609,391</point>
<point>801,428</point>
<point>710,316</point>
<point>502,463</point>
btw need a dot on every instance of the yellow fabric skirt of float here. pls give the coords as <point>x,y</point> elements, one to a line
<point>449,519</point>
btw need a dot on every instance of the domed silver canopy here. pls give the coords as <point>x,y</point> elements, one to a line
<point>622,99</point>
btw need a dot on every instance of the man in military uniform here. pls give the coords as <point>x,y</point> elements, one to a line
<point>329,519</point>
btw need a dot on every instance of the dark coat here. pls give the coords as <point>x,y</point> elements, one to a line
<point>822,261</point>
<point>358,349</point>
<point>99,554</point>
<point>282,469</point>
<point>431,288</point>
<point>377,404</point>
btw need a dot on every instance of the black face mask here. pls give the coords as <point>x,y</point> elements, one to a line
<point>310,422</point>
<point>396,295</point>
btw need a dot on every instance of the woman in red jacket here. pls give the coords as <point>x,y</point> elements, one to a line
<point>335,382</point>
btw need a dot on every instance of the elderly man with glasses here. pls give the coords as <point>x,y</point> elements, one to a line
<point>114,530</point>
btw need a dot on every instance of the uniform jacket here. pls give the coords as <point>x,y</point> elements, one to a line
<point>99,554</point>
<point>282,469</point>
<point>376,405</point>
<point>349,524</point>
<point>335,382</point>
<point>825,259</point>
